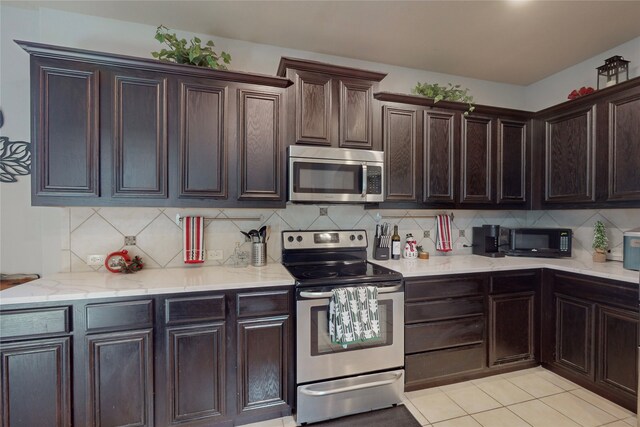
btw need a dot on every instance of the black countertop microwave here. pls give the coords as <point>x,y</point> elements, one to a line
<point>540,242</point>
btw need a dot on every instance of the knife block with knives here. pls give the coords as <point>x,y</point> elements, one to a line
<point>382,242</point>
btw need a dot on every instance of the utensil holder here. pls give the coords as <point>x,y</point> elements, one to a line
<point>380,253</point>
<point>258,254</point>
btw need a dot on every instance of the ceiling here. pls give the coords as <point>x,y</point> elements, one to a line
<point>517,42</point>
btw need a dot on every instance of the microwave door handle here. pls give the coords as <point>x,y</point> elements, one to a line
<point>364,181</point>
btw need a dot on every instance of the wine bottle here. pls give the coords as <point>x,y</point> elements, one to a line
<point>395,243</point>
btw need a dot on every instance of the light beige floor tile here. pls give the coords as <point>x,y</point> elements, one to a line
<point>617,411</point>
<point>459,422</point>
<point>416,414</point>
<point>558,380</point>
<point>423,392</point>
<point>505,392</point>
<point>522,372</point>
<point>632,421</point>
<point>289,421</point>
<point>437,407</point>
<point>617,424</point>
<point>580,411</point>
<point>489,379</point>
<point>472,399</point>
<point>538,414</point>
<point>501,417</point>
<point>276,422</point>
<point>456,386</point>
<point>535,385</point>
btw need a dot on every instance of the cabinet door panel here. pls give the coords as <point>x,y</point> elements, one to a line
<point>624,149</point>
<point>438,156</point>
<point>511,330</point>
<point>574,335</point>
<point>476,160</point>
<point>618,338</point>
<point>36,383</point>
<point>512,161</point>
<point>263,349</point>
<point>313,109</point>
<point>140,137</point>
<point>203,144</point>
<point>260,142</point>
<point>196,372</point>
<point>569,157</point>
<point>400,150</point>
<point>355,115</point>
<point>67,157</point>
<point>120,379</point>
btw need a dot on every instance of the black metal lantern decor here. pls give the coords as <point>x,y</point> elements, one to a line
<point>614,71</point>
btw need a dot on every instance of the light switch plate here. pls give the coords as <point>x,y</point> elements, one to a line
<point>95,259</point>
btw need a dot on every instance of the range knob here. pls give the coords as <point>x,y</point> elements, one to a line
<point>299,238</point>
<point>360,237</point>
<point>290,239</point>
<point>352,237</point>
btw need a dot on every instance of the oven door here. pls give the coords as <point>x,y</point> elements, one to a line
<point>320,359</point>
<point>331,180</point>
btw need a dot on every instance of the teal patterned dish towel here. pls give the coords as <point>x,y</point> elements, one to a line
<point>353,314</point>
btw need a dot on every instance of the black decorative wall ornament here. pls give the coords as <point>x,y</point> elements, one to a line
<point>15,157</point>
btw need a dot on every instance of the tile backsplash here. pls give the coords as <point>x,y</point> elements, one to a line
<point>88,231</point>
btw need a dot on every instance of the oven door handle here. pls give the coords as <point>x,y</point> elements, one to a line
<point>372,384</point>
<point>319,295</point>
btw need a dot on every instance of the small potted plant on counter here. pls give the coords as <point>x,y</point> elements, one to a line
<point>422,254</point>
<point>600,242</point>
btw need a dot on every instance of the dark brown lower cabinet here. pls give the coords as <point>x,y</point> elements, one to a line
<point>120,378</point>
<point>196,371</point>
<point>36,383</point>
<point>511,328</point>
<point>592,334</point>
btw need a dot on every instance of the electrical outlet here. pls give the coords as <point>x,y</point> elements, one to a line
<point>95,259</point>
<point>615,254</point>
<point>461,233</point>
<point>215,254</point>
<point>427,233</point>
<point>129,240</point>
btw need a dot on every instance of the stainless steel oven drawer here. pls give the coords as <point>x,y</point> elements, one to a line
<point>337,398</point>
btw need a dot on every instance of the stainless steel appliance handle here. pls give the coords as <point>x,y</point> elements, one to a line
<point>395,378</point>
<point>318,295</point>
<point>364,180</point>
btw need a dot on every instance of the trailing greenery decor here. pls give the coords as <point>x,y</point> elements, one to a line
<point>194,53</point>
<point>445,93</point>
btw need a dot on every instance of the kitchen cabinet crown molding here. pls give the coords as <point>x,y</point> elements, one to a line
<point>422,101</point>
<point>324,68</point>
<point>42,50</point>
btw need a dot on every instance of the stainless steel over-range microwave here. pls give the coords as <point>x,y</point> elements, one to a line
<point>335,175</point>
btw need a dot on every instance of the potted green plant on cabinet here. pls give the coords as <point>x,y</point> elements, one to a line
<point>194,53</point>
<point>600,242</point>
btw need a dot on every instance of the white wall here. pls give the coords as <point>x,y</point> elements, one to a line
<point>555,89</point>
<point>32,239</point>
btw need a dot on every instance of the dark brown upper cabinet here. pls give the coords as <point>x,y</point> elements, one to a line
<point>586,153</point>
<point>142,132</point>
<point>65,111</point>
<point>400,146</point>
<point>476,160</point>
<point>331,105</point>
<point>456,160</point>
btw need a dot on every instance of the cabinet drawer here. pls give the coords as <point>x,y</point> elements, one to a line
<point>440,363</point>
<point>270,303</point>
<point>194,309</point>
<point>441,288</point>
<point>513,283</point>
<point>118,315</point>
<point>29,323</point>
<point>444,309</point>
<point>450,333</point>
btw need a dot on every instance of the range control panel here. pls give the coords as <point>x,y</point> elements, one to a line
<point>319,239</point>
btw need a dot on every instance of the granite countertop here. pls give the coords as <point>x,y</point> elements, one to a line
<point>72,286</point>
<point>460,264</point>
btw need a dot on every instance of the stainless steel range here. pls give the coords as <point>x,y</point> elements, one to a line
<point>335,380</point>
